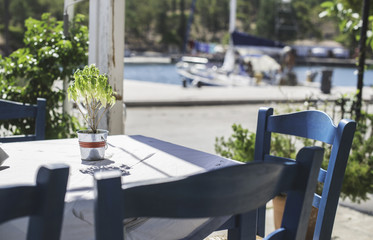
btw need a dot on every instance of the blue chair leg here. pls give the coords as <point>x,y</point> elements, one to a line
<point>245,227</point>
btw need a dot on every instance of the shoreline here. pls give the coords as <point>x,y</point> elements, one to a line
<point>299,61</point>
<point>151,94</point>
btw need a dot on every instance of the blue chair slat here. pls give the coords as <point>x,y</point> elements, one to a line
<point>318,126</point>
<point>322,175</point>
<point>16,197</point>
<point>9,111</point>
<point>308,124</point>
<point>316,201</point>
<point>222,192</point>
<point>44,203</point>
<point>334,179</point>
<point>18,138</point>
<point>271,158</point>
<point>15,110</point>
<point>40,119</point>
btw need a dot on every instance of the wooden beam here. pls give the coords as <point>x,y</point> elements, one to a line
<point>106,50</point>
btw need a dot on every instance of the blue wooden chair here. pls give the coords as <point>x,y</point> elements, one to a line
<point>44,203</point>
<point>14,110</point>
<point>318,126</point>
<point>222,192</point>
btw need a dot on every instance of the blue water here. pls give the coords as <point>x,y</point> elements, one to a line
<point>161,73</point>
<point>341,76</point>
<point>166,73</point>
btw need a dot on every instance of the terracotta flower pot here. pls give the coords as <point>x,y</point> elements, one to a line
<point>278,212</point>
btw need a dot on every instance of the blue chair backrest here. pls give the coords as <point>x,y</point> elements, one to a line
<point>223,192</point>
<point>318,126</point>
<point>44,203</point>
<point>14,110</point>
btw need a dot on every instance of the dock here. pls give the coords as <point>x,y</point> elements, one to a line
<point>330,62</point>
<point>148,60</point>
<point>300,61</point>
<point>150,94</point>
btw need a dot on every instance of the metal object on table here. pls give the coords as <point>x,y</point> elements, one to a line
<point>92,146</point>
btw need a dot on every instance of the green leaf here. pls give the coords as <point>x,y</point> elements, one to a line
<point>327,4</point>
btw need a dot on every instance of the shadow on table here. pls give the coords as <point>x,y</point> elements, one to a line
<point>192,156</point>
<point>140,160</point>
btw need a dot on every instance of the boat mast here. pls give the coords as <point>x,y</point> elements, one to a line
<point>228,64</point>
<point>232,19</point>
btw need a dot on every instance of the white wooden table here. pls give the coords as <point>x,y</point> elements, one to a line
<point>139,158</point>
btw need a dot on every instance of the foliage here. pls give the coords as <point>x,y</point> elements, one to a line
<point>93,90</point>
<point>240,146</point>
<point>266,19</point>
<point>19,10</point>
<point>161,22</point>
<point>359,171</point>
<point>30,72</point>
<point>349,20</point>
<point>214,17</point>
<point>308,27</point>
<point>155,25</point>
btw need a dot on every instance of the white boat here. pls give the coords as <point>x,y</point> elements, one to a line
<point>264,71</point>
<point>247,62</point>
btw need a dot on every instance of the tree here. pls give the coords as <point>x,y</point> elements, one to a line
<point>182,21</point>
<point>352,23</point>
<point>246,15</point>
<point>15,12</point>
<point>6,27</point>
<point>30,72</point>
<point>307,27</point>
<point>265,26</point>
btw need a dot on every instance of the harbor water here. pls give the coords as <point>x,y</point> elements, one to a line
<point>166,73</point>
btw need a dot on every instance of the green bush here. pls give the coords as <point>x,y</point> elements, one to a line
<point>240,146</point>
<point>30,72</point>
<point>359,172</point>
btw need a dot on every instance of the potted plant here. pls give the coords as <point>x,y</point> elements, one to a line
<point>91,92</point>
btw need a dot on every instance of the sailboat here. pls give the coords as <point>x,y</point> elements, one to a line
<point>248,61</point>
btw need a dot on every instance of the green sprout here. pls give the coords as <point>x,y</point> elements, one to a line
<point>93,91</point>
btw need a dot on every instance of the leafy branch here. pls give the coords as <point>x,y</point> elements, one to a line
<point>93,91</point>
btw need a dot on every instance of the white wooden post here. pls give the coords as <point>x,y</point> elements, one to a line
<point>106,50</point>
<point>69,10</point>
